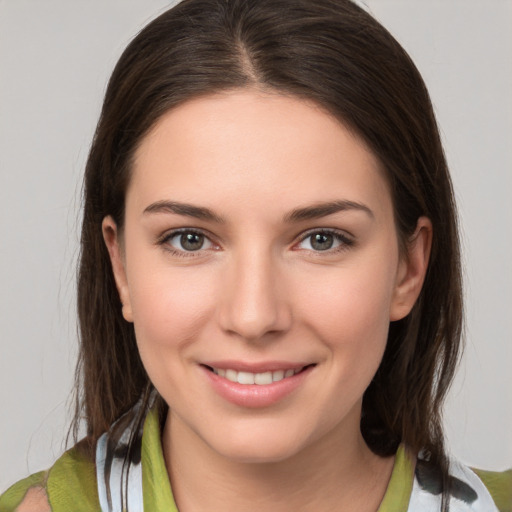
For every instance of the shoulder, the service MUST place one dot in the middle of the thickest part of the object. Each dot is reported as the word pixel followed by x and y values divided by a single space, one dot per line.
pixel 70 484
pixel 469 490
pixel 483 490
pixel 27 495
pixel 499 485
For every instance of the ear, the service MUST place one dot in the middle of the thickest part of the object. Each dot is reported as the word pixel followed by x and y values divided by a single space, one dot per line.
pixel 112 241
pixel 412 269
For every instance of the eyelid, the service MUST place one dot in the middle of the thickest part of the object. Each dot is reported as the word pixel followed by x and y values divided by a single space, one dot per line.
pixel 346 240
pixel 332 231
pixel 168 235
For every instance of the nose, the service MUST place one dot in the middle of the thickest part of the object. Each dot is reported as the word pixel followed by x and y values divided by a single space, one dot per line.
pixel 253 302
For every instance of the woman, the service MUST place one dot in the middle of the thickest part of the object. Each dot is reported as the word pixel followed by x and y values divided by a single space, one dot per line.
pixel 269 285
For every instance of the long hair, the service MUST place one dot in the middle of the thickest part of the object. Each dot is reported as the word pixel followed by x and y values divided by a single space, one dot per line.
pixel 328 51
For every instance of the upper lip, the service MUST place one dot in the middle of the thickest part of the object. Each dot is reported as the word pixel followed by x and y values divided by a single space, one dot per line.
pixel 256 367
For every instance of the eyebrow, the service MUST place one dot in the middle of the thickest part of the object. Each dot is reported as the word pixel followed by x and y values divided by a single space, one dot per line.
pixel 323 209
pixel 189 210
pixel 314 211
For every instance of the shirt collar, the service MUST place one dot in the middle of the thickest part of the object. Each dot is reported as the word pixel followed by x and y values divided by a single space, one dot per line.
pixel 157 490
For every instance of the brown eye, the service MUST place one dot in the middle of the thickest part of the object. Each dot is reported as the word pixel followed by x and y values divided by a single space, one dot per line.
pixel 192 241
pixel 188 241
pixel 322 241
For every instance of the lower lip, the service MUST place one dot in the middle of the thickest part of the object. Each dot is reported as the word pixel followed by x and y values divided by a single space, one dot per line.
pixel 253 395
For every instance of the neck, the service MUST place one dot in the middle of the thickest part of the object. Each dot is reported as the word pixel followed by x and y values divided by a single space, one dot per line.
pixel 338 472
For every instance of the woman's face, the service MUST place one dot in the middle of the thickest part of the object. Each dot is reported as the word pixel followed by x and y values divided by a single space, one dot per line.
pixel 259 264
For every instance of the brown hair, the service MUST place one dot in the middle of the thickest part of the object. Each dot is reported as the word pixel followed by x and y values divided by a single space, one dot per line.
pixel 328 51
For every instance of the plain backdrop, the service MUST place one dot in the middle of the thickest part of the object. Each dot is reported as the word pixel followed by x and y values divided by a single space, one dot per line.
pixel 55 58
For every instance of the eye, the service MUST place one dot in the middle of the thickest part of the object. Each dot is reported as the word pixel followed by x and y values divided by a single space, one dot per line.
pixel 187 241
pixel 325 240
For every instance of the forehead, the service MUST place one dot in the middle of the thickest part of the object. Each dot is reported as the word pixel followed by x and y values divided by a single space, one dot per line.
pixel 249 144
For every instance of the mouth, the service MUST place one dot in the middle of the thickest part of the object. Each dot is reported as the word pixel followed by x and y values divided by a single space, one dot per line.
pixel 261 378
pixel 256 385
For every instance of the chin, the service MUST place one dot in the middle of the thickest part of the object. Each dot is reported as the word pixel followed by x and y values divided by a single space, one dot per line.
pixel 264 445
pixel 257 453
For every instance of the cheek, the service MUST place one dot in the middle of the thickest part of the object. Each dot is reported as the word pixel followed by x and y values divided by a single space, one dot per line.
pixel 350 314
pixel 169 309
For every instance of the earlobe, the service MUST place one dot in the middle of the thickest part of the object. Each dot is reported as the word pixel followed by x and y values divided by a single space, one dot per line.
pixel 112 240
pixel 412 270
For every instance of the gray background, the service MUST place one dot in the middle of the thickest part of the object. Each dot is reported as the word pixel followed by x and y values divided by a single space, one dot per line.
pixel 55 57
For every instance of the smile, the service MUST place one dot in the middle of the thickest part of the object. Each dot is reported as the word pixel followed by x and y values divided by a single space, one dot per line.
pixel 267 384
pixel 261 379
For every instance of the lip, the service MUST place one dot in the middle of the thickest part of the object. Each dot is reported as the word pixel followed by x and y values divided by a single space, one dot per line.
pixel 256 367
pixel 254 396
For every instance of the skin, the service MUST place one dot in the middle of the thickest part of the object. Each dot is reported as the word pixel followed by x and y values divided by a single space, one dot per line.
pixel 258 290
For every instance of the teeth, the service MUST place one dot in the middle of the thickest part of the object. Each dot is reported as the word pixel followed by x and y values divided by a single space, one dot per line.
pixel 245 378
pixel 278 375
pixel 261 379
pixel 231 375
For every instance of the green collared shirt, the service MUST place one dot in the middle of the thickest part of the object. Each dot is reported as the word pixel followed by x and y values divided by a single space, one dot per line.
pixel 71 483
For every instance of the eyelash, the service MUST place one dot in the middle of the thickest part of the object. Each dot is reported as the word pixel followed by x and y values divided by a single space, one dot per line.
pixel 345 241
pixel 166 238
